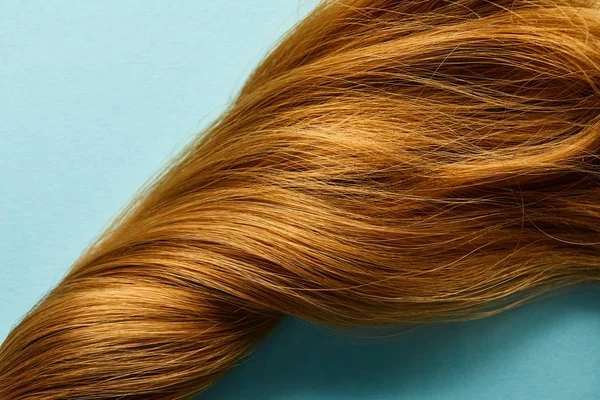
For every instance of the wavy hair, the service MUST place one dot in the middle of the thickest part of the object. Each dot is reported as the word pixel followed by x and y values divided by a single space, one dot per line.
pixel 404 161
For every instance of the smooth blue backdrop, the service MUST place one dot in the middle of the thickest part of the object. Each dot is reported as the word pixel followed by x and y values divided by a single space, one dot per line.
pixel 95 96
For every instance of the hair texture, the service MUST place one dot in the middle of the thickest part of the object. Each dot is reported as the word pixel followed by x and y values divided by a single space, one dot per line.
pixel 388 162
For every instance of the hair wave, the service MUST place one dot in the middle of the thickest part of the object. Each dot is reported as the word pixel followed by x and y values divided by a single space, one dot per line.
pixel 389 161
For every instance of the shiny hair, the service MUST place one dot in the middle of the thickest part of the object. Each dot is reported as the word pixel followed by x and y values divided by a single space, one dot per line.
pixel 388 162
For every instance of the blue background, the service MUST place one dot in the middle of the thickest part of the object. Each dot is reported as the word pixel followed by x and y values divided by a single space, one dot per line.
pixel 95 96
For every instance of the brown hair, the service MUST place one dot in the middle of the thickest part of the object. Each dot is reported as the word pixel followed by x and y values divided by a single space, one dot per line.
pixel 389 161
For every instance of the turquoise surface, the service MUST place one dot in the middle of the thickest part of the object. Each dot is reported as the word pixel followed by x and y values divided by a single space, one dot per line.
pixel 95 96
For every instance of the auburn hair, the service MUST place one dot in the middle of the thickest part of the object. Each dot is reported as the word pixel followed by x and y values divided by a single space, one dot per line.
pixel 388 162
